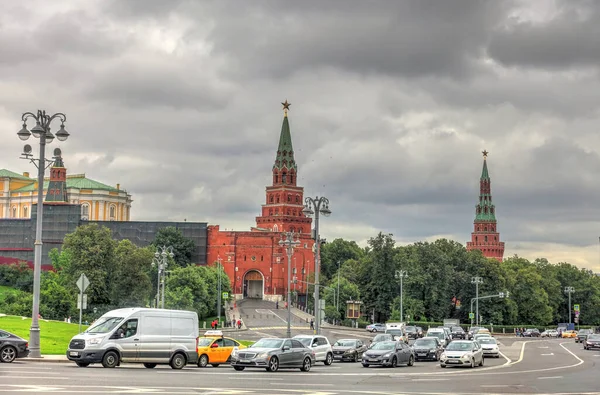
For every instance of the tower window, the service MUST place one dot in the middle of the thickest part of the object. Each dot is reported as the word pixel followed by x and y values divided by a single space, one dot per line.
pixel 275 228
pixel 25 212
pixel 297 199
pixel 486 239
pixel 262 258
pixel 277 198
pixel 112 213
pixel 271 199
pixel 276 178
pixel 270 211
pixel 283 177
pixel 244 258
pixel 289 197
pixel 85 211
pixel 14 212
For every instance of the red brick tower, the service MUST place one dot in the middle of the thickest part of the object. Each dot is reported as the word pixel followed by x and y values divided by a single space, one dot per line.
pixel 283 209
pixel 57 187
pixel 485 237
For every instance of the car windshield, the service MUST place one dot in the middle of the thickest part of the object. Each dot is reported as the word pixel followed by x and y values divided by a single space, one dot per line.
pixel 268 343
pixel 459 346
pixel 457 329
pixel 394 331
pixel 305 341
pixel 487 340
pixel 426 343
pixel 381 337
pixel 594 337
pixel 104 325
pixel 205 341
pixel 383 346
pixel 439 335
pixel 411 328
pixel 345 343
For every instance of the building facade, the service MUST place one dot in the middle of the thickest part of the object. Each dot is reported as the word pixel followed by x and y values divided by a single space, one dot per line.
pixel 255 263
pixel 485 236
pixel 99 202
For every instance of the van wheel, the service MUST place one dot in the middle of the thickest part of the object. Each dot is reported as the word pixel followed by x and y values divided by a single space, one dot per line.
pixel 178 361
pixel 329 359
pixel 110 359
pixel 239 368
pixel 82 364
pixel 215 365
pixel 150 365
pixel 203 361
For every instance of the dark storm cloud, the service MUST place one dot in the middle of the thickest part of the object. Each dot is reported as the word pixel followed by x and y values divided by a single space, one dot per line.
pixel 570 38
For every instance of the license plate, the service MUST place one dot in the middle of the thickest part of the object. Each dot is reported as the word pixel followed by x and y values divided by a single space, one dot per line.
pixel 244 361
pixel 372 360
pixel 451 361
pixel 74 354
pixel 422 355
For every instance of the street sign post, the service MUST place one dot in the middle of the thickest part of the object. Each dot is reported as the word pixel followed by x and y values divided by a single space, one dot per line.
pixel 471 316
pixel 225 295
pixel 82 284
pixel 576 307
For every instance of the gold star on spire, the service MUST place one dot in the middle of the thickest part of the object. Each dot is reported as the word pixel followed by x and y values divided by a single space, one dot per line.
pixel 286 107
pixel 485 154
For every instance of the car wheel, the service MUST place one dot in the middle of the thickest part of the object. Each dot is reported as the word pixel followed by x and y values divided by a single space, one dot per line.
pixel 411 361
pixel 306 364
pixel 178 361
pixel 8 354
pixel 239 368
pixel 394 363
pixel 110 359
pixel 150 365
pixel 365 365
pixel 442 366
pixel 482 359
pixel 82 364
pixel 355 358
pixel 203 361
pixel 329 359
pixel 215 365
pixel 472 363
pixel 273 364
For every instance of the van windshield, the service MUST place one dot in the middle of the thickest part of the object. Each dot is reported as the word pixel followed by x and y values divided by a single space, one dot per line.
pixel 104 325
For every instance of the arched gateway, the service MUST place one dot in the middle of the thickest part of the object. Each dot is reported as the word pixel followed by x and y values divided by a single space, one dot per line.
pixel 253 285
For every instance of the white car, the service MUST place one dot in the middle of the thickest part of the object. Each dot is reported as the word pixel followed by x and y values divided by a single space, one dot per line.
pixel 490 347
pixel 462 353
pixel 320 345
pixel 549 333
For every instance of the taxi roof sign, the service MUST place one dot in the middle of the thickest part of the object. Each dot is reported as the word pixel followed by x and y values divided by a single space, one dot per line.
pixel 213 333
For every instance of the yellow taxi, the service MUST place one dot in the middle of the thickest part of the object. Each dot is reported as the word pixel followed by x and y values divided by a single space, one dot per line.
pixel 215 349
pixel 569 334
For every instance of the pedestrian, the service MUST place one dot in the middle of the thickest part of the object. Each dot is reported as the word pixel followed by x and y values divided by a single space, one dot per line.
pixel 312 324
pixel 216 324
pixel 212 324
pixel 277 305
pixel 239 324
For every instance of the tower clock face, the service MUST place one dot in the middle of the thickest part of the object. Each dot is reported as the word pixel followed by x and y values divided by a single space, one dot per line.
pixel 253 258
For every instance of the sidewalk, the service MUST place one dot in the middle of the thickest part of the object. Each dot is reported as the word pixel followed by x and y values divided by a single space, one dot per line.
pixel 45 358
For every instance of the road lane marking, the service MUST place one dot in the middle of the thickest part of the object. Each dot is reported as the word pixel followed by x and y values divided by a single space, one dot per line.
pixel 550 377
pixel 430 379
pixel 36 377
pixel 303 384
pixel 548 354
pixel 500 385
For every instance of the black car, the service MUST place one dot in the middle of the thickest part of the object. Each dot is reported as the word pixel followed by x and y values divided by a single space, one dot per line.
pixel 582 335
pixel 592 341
pixel 348 350
pixel 531 333
pixel 12 347
pixel 458 333
pixel 427 348
pixel 411 332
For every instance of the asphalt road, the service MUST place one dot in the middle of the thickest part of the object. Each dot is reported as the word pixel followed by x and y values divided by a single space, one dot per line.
pixel 529 367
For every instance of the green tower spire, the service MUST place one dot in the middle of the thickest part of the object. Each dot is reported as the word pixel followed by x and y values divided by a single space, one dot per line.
pixel 285 151
pixel 485 210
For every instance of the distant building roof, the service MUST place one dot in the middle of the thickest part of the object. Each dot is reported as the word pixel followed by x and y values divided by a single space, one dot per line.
pixel 11 174
pixel 77 181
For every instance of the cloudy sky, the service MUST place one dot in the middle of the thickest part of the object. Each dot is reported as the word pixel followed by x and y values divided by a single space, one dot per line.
pixel 392 104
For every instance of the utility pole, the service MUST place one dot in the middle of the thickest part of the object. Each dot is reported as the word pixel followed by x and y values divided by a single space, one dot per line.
pixel 476 281
pixel 400 274
pixel 289 243
pixel 219 291
pixel 569 291
pixel 337 300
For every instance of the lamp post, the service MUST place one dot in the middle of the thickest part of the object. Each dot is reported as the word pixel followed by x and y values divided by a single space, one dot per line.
pixel 219 260
pixel 476 281
pixel 337 300
pixel 42 132
pixel 160 259
pixel 289 243
pixel 400 274
pixel 315 206
pixel 569 291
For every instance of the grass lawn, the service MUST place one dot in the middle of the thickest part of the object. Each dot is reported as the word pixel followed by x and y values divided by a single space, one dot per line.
pixel 55 335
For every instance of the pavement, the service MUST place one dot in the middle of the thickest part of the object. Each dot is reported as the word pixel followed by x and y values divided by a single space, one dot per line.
pixel 553 366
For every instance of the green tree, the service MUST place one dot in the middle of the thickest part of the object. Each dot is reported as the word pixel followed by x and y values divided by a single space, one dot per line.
pixel 379 290
pixel 131 285
pixel 56 301
pixel 183 248
pixel 334 254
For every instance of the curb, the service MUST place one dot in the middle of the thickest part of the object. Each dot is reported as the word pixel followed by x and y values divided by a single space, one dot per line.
pixel 51 359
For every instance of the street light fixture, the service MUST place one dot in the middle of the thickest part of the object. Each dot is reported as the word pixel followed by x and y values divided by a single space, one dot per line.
pixel 317 205
pixel 400 274
pixel 42 132
pixel 476 281
pixel 160 260
pixel 289 243
pixel 569 290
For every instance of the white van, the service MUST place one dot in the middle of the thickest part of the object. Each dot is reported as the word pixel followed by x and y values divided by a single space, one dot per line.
pixel 138 335
pixel 397 330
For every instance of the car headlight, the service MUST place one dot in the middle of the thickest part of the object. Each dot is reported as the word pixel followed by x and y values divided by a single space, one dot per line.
pixel 387 355
pixel 432 350
pixel 467 356
pixel 96 340
pixel 263 355
pixel 443 356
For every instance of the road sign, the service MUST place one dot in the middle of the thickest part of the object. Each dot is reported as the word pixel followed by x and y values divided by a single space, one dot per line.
pixel 576 307
pixel 83 282
pixel 471 316
pixel 225 295
pixel 577 314
pixel 82 304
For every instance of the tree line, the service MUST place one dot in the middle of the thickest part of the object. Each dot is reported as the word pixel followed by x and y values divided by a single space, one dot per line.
pixel 438 284
pixel 120 273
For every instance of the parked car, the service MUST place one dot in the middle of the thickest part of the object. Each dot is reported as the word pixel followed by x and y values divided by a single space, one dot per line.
pixel 582 335
pixel 461 353
pixel 458 333
pixel 273 354
pixel 215 349
pixel 376 328
pixel 592 341
pixel 348 350
pixel 428 348
pixel 490 347
pixel 473 331
pixel 532 332
pixel 420 331
pixel 389 354
pixel 320 345
pixel 12 347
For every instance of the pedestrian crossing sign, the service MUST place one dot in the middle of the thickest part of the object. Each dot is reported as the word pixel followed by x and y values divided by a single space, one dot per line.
pixel 576 307
pixel 225 295
pixel 471 316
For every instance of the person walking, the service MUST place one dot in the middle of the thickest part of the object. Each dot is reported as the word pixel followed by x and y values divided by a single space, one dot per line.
pixel 239 324
pixel 312 324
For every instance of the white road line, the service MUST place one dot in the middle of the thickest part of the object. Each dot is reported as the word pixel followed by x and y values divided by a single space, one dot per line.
pixel 551 377
pixel 250 378
pixel 303 384
pixel 548 354
pixel 353 335
pixel 500 385
pixel 31 372
pixel 430 380
pixel 36 377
